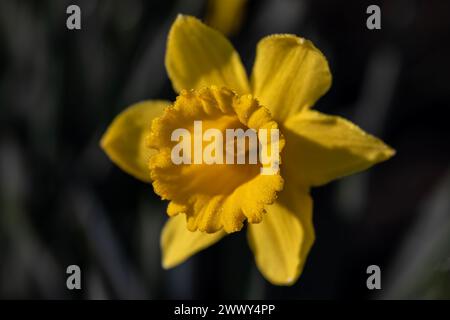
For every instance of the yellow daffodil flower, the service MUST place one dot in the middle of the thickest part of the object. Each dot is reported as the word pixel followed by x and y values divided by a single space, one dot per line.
pixel 209 201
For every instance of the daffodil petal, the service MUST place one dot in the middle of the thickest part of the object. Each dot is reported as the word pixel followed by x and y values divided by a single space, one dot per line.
pixel 321 148
pixel 198 56
pixel 125 139
pixel 290 74
pixel 226 16
pixel 282 241
pixel 178 243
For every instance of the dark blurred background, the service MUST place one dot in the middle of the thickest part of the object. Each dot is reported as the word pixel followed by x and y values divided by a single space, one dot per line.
pixel 63 202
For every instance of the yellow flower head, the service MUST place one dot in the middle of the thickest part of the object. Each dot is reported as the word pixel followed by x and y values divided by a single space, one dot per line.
pixel 208 201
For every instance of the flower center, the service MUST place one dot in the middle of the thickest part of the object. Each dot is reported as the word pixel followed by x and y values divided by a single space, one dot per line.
pixel 218 159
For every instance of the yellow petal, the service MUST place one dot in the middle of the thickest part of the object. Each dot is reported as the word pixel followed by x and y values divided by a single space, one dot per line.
pixel 124 140
pixel 321 148
pixel 198 56
pixel 281 242
pixel 225 16
pixel 178 243
pixel 289 75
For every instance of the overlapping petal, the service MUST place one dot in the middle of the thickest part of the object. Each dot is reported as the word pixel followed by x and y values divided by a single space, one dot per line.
pixel 124 140
pixel 322 148
pixel 179 244
pixel 289 75
pixel 282 241
pixel 198 56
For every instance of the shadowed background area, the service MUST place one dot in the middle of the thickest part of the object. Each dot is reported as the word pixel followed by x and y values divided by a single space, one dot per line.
pixel 62 201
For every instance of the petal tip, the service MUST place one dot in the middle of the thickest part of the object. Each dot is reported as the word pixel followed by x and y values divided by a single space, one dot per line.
pixel 387 153
pixel 182 18
pixel 103 143
pixel 166 265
